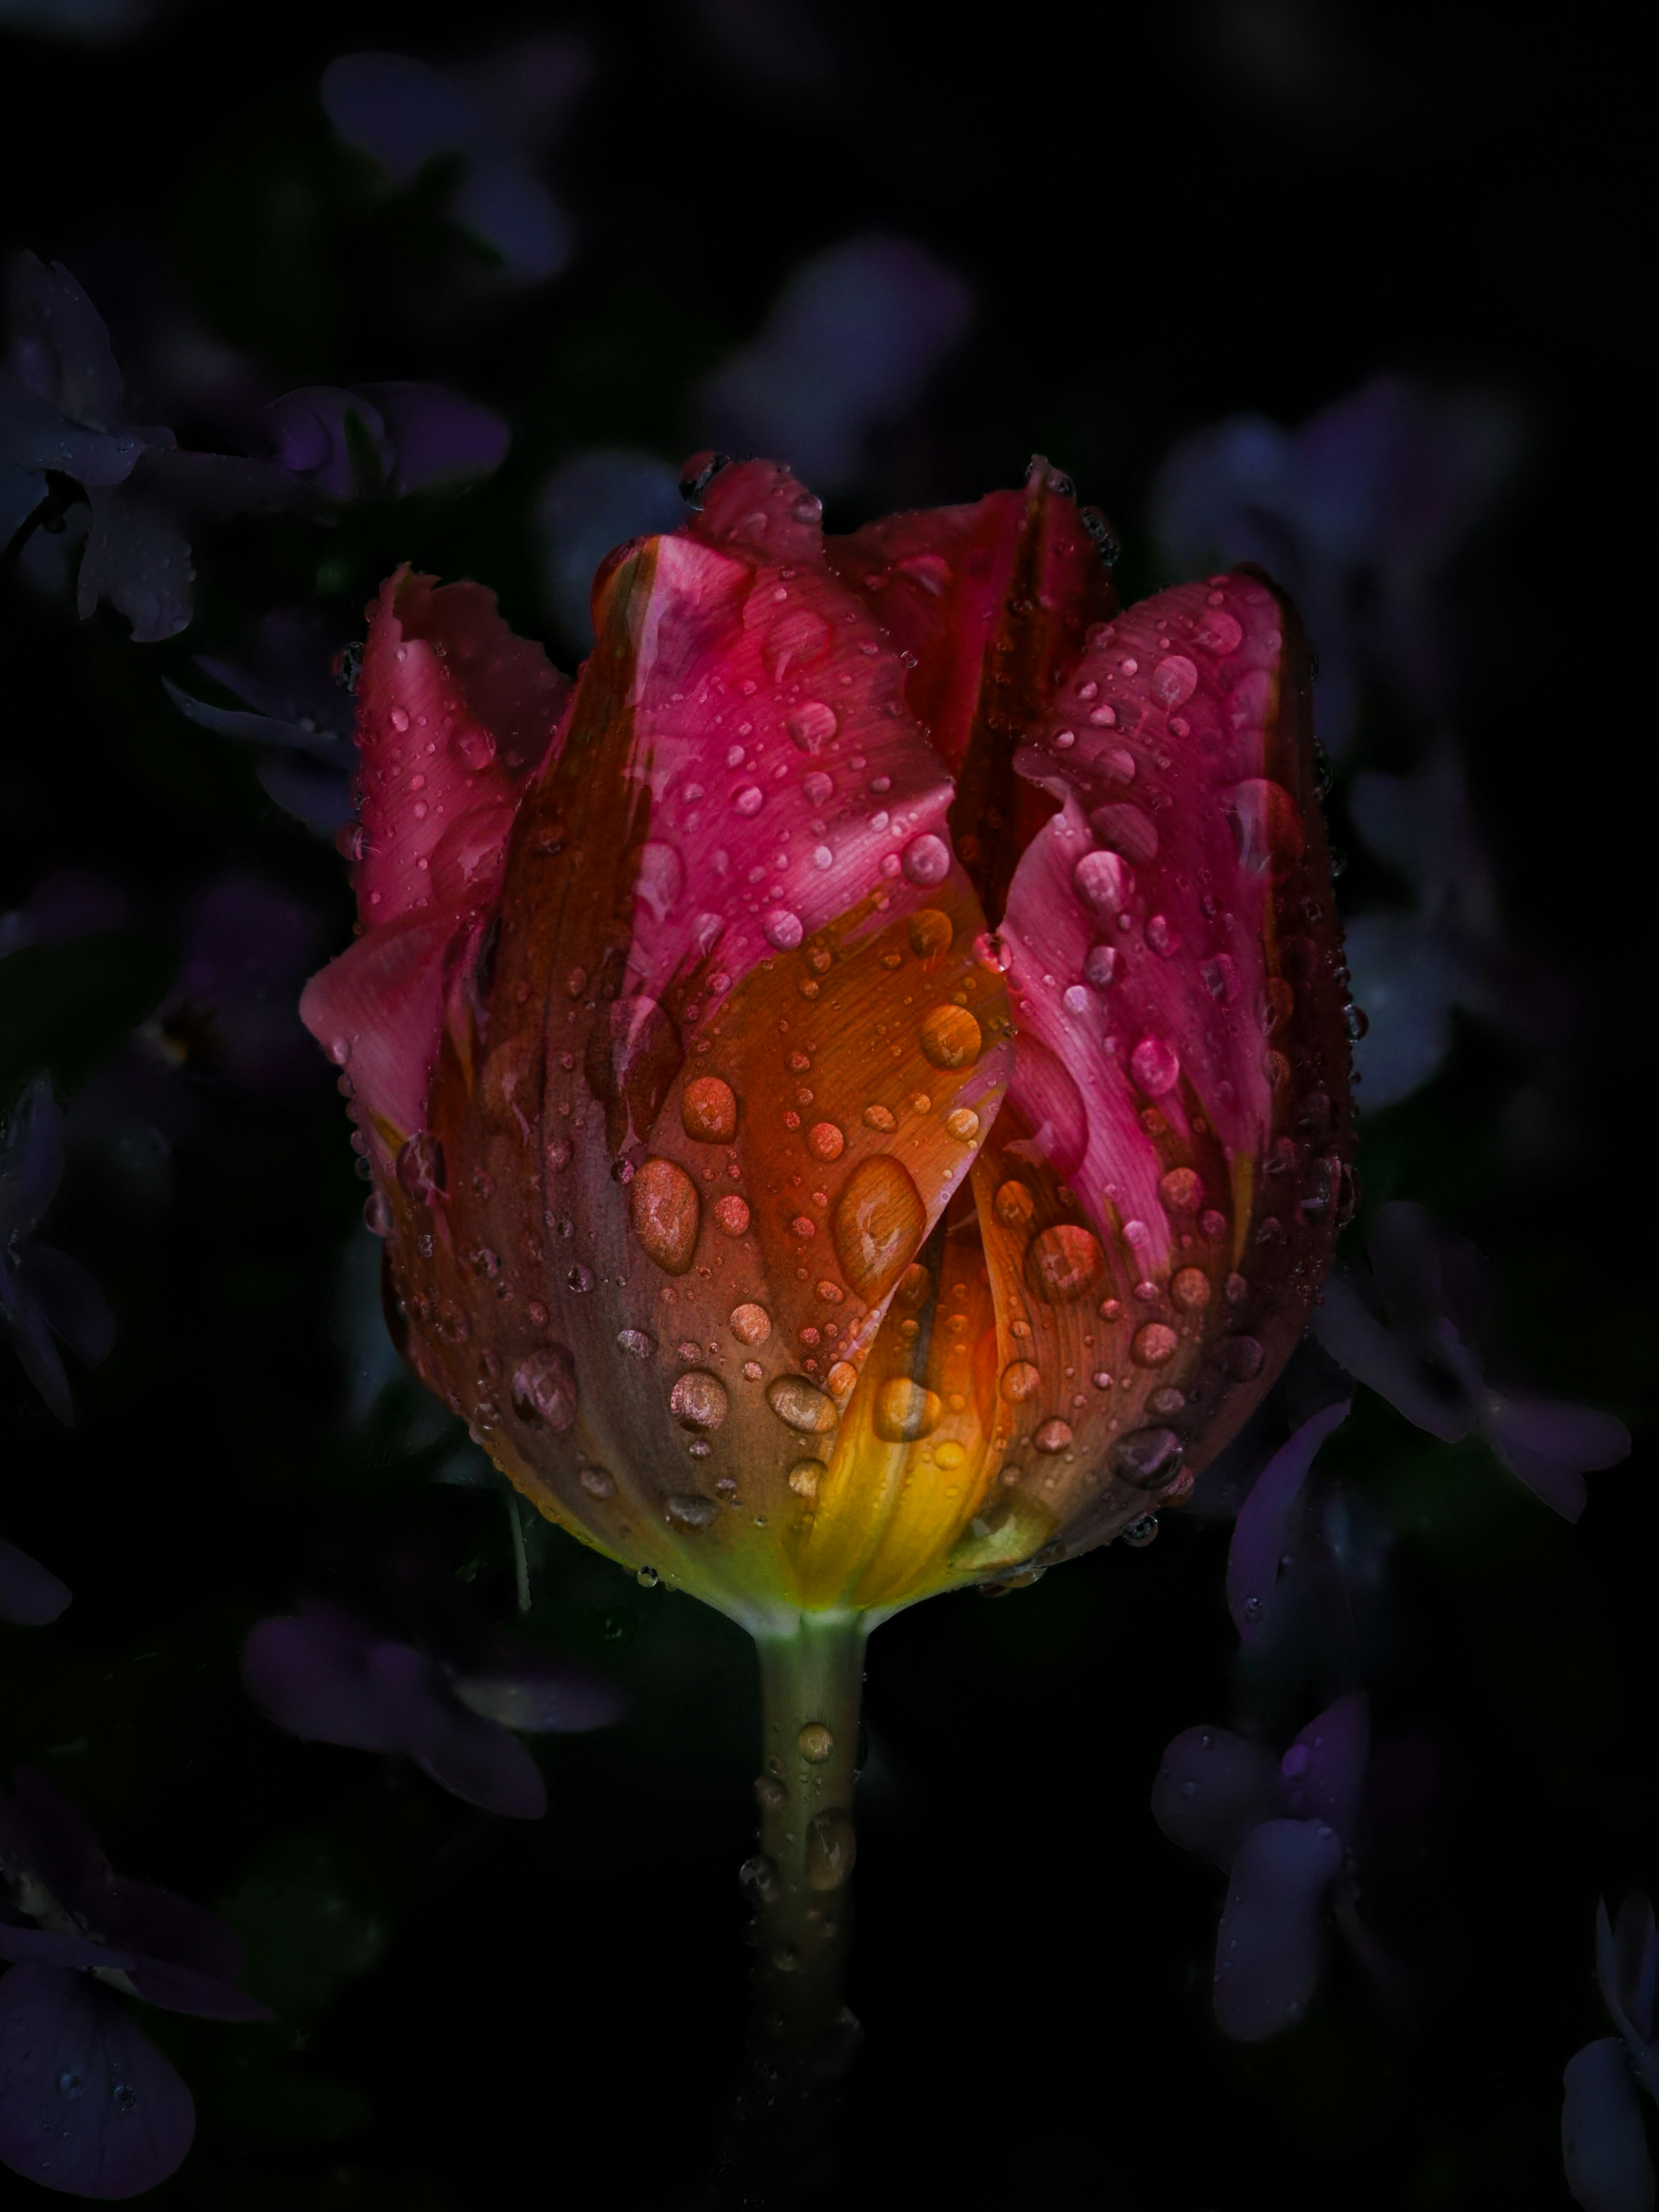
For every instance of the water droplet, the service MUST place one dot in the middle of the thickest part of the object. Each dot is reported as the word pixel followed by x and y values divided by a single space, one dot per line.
pixel 818 787
pixel 815 1742
pixel 905 1411
pixel 125 2097
pixel 802 1404
pixel 782 928
pixel 878 1117
pixel 1014 1204
pixel 665 1209
pixel 796 642
pixel 749 800
pixel 962 1123
pixel 476 747
pixel 708 1111
pixel 878 1223
pixel 759 1875
pixel 805 1477
pixel 1130 830
pixel 1280 1004
pixel 1154 1066
pixel 647 1578
pixel 1191 1290
pixel 399 719
pixel 812 725
pixel 1054 1436
pixel 831 1849
pixel 1149 1458
pixel 951 1037
pixel 825 1141
pixel 1220 632
pixel 1020 1380
pixel 661 879
pixel 70 2085
pixel 1063 1263
pixel 751 1324
pixel 1181 1190
pixel 991 953
pixel 377 1214
pixel 1242 1358
pixel 698 1401
pixel 691 1511
pixel 1103 882
pixel 633 1055
pixel 1266 826
pixel 1356 1022
pixel 731 1215
pixel 420 1168
pixel 1101 965
pixel 596 1482
pixel 931 933
pixel 1155 1345
pixel 1163 938
pixel 543 1389
pixel 1174 681
pixel 639 1341
pixel 926 859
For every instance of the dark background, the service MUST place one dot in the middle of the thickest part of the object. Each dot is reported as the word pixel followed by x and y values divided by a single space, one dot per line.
pixel 1165 216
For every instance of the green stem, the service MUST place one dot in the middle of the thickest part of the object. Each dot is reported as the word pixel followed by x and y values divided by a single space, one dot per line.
pixel 811 1682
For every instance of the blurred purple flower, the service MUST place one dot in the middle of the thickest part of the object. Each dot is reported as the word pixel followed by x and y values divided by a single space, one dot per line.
pixel 62 403
pixel 404 437
pixel 87 2104
pixel 1410 1326
pixel 1355 514
pixel 30 1595
pixel 1259 1535
pixel 495 122
pixel 591 501
pixel 323 1674
pixel 249 948
pixel 43 1292
pixel 850 342
pixel 295 702
pixel 68 903
pixel 1603 2141
pixel 1282 1831
pixel 1411 966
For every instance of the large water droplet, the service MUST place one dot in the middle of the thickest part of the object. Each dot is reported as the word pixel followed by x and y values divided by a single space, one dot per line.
pixel 634 1053
pixel 544 1388
pixel 665 1209
pixel 1149 1458
pixel 926 859
pixel 802 1404
pixel 1266 826
pixel 731 1214
pixel 1063 1262
pixel 931 933
pixel 639 1342
pixel 1220 632
pixel 831 1849
pixel 1054 1436
pixel 812 725
pixel 805 1477
pixel 751 1324
pixel 1014 1205
pixel 1155 1065
pixel 1191 1290
pixel 1101 965
pixel 1130 830
pixel 951 1037
pixel 1155 1345
pixel 1181 1190
pixel 815 1742
pixel 1103 881
pixel 709 1110
pixel 825 1141
pixel 698 1401
pixel 1020 1380
pixel 687 1510
pixel 796 642
pixel 1174 681
pixel 661 879
pixel 877 1223
pixel 905 1411
pixel 782 928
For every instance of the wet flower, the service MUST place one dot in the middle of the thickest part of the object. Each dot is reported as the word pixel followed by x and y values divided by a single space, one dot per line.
pixel 1410 1328
pixel 87 2104
pixel 63 410
pixel 323 1674
pixel 720 1199
pixel 1603 2139
pixel 857 1089
pixel 494 123
pixel 44 1293
pixel 1281 1831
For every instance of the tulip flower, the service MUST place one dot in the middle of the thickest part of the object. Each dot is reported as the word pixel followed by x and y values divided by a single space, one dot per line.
pixel 856 1087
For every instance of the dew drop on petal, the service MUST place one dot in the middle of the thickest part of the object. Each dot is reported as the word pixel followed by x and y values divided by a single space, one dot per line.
pixel 1101 965
pixel 906 1411
pixel 638 1341
pixel 1020 1380
pixel 1190 1290
pixel 1155 1345
pixel 825 1141
pixel 691 1511
pixel 951 1037
pixel 877 1223
pixel 1266 828
pixel 802 1404
pixel 1174 681
pixel 543 1389
pixel 1052 1435
pixel 1103 881
pixel 1155 1065
pixel 1181 1190
pixel 926 859
pixel 782 928
pixel 665 1209
pixel 812 725
pixel 731 1215
pixel 751 1324
pixel 709 1110
pixel 1063 1262
pixel 930 933
pixel 698 1401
